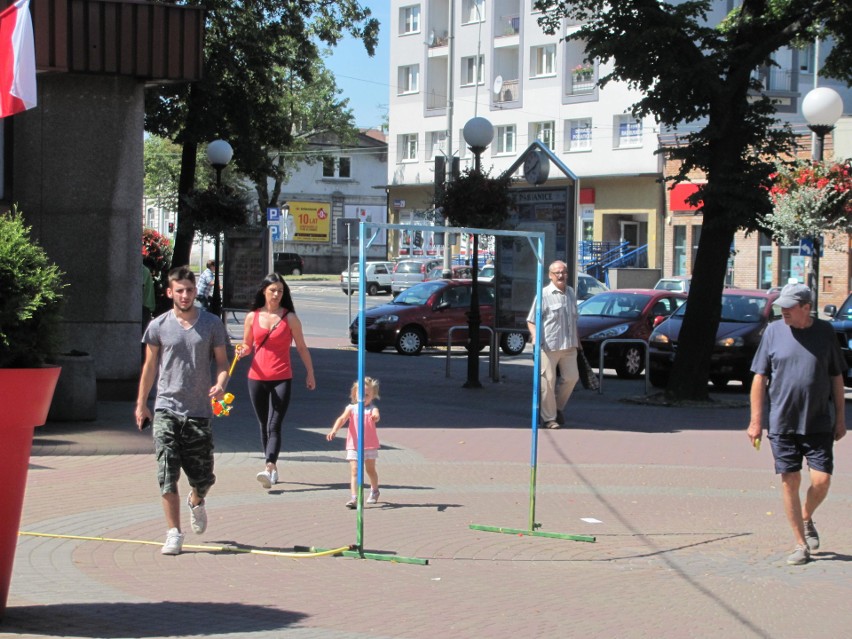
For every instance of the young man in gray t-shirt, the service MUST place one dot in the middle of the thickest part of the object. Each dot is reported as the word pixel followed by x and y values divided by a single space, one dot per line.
pixel 800 364
pixel 180 346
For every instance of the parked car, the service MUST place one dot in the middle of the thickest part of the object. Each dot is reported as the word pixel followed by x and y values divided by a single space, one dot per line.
pixel 377 278
pixel 678 283
pixel 623 314
pixel 588 286
pixel 486 273
pixel 841 320
pixel 288 264
pixel 459 272
pixel 423 314
pixel 745 315
pixel 409 272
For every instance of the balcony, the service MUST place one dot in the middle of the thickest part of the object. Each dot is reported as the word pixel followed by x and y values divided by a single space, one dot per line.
pixel 507 26
pixel 509 92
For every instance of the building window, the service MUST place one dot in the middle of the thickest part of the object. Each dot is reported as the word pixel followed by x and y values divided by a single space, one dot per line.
pixel 473 11
pixel 696 239
pixel 340 167
pixel 437 143
pixel 628 132
pixel 463 149
pixel 543 131
pixel 578 135
pixel 408 147
pixel 506 139
pixel 765 264
pixel 679 250
pixel 543 61
pixel 471 73
pixel 409 19
pixel 409 79
pixel 806 58
pixel 792 265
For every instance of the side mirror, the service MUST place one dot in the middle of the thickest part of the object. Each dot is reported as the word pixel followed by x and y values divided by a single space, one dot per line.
pixel 442 306
pixel 830 310
pixel 659 319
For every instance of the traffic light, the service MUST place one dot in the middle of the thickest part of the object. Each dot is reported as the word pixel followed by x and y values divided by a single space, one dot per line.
pixel 171 227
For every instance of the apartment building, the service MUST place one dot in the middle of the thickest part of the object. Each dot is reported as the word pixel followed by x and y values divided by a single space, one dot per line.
pixel 453 60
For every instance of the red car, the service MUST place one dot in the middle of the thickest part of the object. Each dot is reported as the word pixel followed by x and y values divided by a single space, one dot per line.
pixel 623 314
pixel 423 315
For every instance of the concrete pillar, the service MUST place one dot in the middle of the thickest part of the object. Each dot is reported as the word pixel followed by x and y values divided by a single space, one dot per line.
pixel 77 177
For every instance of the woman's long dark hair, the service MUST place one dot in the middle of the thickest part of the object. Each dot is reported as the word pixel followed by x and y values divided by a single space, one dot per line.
pixel 286 298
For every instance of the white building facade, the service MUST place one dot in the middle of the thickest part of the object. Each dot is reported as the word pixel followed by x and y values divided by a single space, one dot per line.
pixel 451 61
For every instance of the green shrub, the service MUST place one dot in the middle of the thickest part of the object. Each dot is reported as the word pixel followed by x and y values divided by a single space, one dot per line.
pixel 30 297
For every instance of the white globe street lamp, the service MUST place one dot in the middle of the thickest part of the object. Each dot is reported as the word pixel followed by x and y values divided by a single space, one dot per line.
pixel 219 154
pixel 822 108
pixel 478 133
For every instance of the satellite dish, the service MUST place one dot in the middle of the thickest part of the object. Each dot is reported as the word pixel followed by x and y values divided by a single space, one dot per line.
pixel 498 85
pixel 431 37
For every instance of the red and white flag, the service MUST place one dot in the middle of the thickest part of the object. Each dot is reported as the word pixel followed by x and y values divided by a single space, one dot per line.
pixel 17 60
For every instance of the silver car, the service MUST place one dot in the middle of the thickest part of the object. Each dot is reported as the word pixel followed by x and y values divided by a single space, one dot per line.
pixel 410 272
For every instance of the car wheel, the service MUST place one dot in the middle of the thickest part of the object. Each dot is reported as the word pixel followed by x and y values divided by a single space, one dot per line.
pixel 410 341
pixel 658 379
pixel 350 292
pixel 372 288
pixel 513 343
pixel 631 363
pixel 296 271
pixel 374 348
pixel 719 381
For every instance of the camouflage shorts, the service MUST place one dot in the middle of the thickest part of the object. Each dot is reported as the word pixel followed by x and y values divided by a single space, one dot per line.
pixel 183 443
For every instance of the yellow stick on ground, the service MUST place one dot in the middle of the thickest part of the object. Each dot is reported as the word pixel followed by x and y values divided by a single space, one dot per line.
pixel 252 551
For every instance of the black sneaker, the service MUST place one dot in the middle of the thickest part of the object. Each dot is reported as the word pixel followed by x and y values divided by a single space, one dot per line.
pixel 811 535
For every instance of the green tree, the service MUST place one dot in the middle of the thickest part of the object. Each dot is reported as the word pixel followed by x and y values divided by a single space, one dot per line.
pixel 696 74
pixel 254 51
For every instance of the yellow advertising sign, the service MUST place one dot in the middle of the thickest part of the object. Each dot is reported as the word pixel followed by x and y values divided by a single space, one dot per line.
pixel 311 221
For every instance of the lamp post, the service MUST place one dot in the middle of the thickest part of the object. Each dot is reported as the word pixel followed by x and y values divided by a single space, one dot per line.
pixel 822 108
pixel 219 153
pixel 478 133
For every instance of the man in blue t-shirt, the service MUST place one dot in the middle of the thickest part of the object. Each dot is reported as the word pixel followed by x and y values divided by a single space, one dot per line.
pixel 800 364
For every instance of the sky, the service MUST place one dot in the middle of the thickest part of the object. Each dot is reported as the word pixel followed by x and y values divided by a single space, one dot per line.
pixel 364 80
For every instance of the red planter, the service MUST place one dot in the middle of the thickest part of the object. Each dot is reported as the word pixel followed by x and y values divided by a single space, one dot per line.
pixel 27 393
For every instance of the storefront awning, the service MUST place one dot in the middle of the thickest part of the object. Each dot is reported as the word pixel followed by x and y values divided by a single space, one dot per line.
pixel 678 196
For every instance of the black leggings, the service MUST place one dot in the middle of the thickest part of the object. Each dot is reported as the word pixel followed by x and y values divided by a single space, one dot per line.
pixel 270 401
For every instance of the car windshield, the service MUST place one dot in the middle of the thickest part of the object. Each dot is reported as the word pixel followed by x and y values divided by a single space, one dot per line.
pixel 417 295
pixel 670 285
pixel 735 308
pixel 486 271
pixel 615 304
pixel 845 311
pixel 409 267
pixel 742 308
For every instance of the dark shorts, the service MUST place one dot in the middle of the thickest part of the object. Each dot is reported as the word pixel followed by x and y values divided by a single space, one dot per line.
pixel 789 450
pixel 183 443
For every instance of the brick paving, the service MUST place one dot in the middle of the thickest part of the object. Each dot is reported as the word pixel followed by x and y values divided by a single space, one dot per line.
pixel 691 540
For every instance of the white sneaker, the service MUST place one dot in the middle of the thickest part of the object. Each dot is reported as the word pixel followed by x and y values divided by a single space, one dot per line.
pixel 197 516
pixel 174 542
pixel 265 479
pixel 374 497
pixel 273 477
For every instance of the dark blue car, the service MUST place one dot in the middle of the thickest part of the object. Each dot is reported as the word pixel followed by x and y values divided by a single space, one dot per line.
pixel 841 320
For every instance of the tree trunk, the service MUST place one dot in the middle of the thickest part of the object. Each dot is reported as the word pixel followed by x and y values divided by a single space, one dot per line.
pixel 691 369
pixel 185 232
